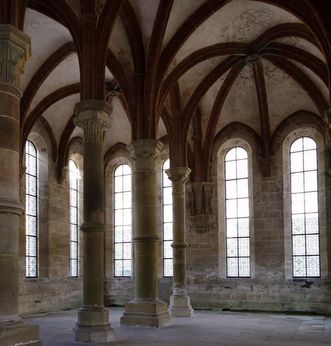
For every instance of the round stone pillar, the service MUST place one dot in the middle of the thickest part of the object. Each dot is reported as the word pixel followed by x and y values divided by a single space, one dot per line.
pixel 179 301
pixel 14 50
pixel 145 309
pixel 93 318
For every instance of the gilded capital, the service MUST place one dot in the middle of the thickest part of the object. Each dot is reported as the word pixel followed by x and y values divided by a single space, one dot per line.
pixel 15 49
pixel 144 153
pixel 93 117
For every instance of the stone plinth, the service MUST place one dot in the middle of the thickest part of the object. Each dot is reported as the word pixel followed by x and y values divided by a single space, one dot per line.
pixel 149 314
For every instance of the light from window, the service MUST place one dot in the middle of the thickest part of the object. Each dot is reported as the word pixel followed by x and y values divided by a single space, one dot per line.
pixel 304 208
pixel 167 221
pixel 74 217
pixel 123 221
pixel 237 213
pixel 31 210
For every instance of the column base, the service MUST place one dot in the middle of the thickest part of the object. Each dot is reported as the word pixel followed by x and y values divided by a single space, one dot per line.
pixel 93 325
pixel 146 313
pixel 19 333
pixel 180 306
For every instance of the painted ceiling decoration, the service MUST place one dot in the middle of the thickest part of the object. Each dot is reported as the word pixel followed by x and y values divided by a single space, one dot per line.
pixel 185 69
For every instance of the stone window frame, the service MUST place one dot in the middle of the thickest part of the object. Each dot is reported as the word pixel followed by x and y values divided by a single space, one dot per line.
pixel 286 145
pixel 43 153
pixel 117 160
pixel 221 153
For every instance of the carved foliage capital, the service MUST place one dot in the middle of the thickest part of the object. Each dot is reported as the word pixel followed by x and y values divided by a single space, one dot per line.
pixel 93 117
pixel 178 176
pixel 15 49
pixel 144 153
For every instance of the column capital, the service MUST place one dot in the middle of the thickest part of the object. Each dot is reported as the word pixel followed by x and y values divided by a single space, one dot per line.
pixel 15 49
pixel 93 117
pixel 178 175
pixel 144 153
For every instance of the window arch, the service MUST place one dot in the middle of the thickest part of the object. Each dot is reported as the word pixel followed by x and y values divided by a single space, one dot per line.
pixel 237 215
pixel 31 211
pixel 167 221
pixel 123 221
pixel 74 218
pixel 304 208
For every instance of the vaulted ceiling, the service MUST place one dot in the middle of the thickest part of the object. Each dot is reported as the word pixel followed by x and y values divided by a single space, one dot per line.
pixel 194 66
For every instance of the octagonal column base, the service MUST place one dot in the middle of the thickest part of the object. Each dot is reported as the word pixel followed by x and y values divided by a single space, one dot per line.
pixel 146 313
pixel 180 306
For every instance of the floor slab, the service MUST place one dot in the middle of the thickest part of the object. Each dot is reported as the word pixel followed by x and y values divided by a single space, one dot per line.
pixel 204 328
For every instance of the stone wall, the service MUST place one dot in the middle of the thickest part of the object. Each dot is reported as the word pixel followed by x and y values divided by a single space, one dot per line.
pixel 53 289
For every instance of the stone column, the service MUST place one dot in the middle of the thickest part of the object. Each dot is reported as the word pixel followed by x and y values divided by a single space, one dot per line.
pixel 179 302
pixel 93 318
pixel 14 50
pixel 145 309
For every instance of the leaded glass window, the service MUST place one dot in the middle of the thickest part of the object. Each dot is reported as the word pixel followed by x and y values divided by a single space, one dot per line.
pixel 237 213
pixel 304 208
pixel 31 210
pixel 167 221
pixel 123 221
pixel 74 218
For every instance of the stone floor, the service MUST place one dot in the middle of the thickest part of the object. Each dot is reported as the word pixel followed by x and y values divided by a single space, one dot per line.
pixel 205 328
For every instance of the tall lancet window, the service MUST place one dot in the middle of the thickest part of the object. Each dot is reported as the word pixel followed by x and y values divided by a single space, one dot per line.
pixel 123 221
pixel 167 221
pixel 237 213
pixel 31 210
pixel 74 218
pixel 304 208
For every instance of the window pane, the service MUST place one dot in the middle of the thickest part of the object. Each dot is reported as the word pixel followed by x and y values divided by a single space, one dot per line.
pixel 243 207
pixel 298 206
pixel 243 247
pixel 230 170
pixel 313 266
pixel 297 182
pixel 167 195
pixel 118 234
pixel 299 244
pixel 243 227
pixel 232 267
pixel 311 181
pixel 231 189
pixel 167 231
pixel 231 208
pixel 299 266
pixel 244 267
pixel 231 228
pixel 312 223
pixel 232 247
pixel 297 145
pixel 242 188
pixel 298 224
pixel 311 203
pixel 242 169
pixel 167 213
pixel 296 162
pixel 167 249
pixel 310 160
pixel 167 267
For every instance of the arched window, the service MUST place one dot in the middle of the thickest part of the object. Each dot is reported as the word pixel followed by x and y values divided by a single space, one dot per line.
pixel 74 218
pixel 31 210
pixel 167 221
pixel 123 221
pixel 237 213
pixel 304 208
